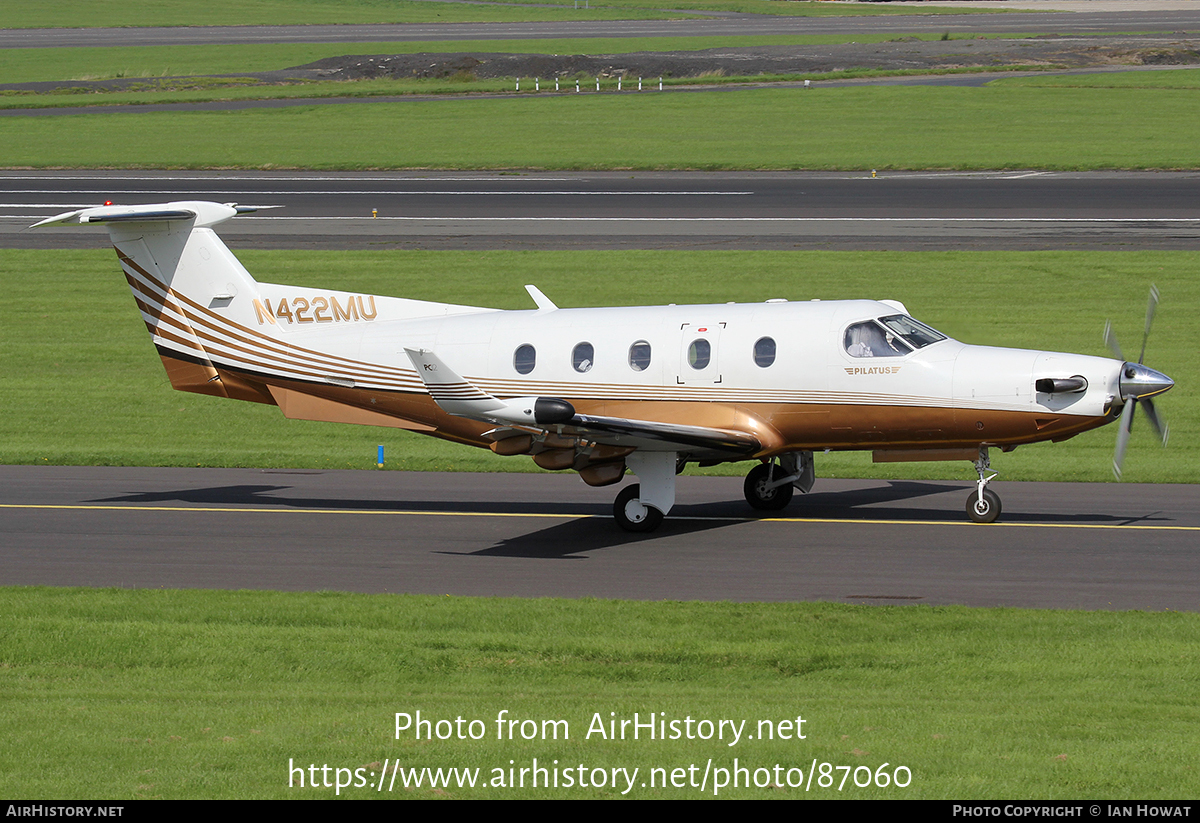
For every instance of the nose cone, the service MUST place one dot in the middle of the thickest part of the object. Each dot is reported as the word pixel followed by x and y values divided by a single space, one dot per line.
pixel 1140 381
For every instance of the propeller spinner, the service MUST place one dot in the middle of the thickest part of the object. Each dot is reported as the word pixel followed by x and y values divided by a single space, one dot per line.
pixel 1138 383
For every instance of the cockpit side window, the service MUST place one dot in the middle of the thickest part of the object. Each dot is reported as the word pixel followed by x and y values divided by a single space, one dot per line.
pixel 869 339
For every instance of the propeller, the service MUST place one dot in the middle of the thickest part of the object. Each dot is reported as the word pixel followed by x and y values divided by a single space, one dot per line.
pixel 1137 384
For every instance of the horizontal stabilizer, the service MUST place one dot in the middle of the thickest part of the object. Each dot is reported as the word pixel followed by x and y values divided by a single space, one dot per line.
pixel 202 212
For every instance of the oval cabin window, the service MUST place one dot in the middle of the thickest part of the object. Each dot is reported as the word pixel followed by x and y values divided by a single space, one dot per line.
pixel 639 356
pixel 583 357
pixel 524 359
pixel 764 352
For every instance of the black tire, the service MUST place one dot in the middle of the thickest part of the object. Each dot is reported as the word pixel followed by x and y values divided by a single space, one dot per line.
pixel 762 498
pixel 986 511
pixel 649 522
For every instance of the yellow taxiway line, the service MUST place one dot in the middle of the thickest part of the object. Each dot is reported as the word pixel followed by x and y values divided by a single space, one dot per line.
pixel 434 513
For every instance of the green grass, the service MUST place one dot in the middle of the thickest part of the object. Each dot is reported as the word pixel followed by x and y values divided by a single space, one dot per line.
pixel 84 386
pixel 994 127
pixel 186 694
pixel 88 13
pixel 1157 79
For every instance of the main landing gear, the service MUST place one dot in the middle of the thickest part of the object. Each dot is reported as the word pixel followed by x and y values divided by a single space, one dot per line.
pixel 642 506
pixel 983 506
pixel 632 514
pixel 768 487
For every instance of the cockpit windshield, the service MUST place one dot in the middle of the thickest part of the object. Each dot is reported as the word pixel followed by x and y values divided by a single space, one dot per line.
pixel 917 334
pixel 896 335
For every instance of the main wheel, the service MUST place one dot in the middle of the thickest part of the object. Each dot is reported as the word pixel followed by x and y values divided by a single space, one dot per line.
pixel 762 498
pixel 631 515
pixel 985 511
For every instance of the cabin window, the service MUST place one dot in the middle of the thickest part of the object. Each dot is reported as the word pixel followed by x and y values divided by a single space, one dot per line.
pixel 699 353
pixel 639 356
pixel 524 359
pixel 872 340
pixel 764 352
pixel 583 357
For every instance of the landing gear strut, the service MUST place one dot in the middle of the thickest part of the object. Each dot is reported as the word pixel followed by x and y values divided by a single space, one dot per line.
pixel 983 506
pixel 642 506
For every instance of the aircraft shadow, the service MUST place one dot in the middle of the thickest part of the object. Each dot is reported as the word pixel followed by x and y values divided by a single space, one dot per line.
pixel 266 496
pixel 574 539
pixel 597 531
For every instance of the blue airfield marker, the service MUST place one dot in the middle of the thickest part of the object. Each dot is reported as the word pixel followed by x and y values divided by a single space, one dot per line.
pixel 379 459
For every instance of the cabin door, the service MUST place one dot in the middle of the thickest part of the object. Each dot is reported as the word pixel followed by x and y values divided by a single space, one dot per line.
pixel 698 348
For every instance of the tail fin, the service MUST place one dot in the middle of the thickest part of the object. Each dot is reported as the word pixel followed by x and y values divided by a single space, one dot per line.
pixel 180 272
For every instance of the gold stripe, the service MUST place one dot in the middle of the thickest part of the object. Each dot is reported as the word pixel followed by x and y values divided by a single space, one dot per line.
pixel 289 348
pixel 265 349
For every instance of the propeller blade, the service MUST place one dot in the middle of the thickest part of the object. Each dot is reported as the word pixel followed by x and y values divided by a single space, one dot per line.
pixel 1110 340
pixel 1162 429
pixel 1149 318
pixel 1123 436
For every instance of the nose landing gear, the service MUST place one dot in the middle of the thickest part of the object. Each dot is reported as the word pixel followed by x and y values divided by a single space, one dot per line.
pixel 983 506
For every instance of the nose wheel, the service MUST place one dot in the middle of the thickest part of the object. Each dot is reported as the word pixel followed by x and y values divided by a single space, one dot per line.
pixel 983 509
pixel 983 506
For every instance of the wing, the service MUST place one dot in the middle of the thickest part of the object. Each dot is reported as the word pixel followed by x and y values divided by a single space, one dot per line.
pixel 456 395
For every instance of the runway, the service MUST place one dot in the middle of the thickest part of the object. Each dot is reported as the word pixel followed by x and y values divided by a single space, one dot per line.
pixel 1077 546
pixel 732 25
pixel 1020 210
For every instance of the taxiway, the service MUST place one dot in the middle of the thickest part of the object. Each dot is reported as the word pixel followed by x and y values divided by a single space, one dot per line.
pixel 1059 545
pixel 1021 210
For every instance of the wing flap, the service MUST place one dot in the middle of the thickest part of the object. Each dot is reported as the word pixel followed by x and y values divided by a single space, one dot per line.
pixel 662 435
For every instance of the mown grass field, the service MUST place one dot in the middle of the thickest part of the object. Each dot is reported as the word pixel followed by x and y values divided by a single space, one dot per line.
pixel 993 127
pixel 1155 79
pixel 85 386
pixel 185 694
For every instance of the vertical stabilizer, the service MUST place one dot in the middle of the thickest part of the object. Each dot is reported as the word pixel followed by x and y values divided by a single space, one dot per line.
pixel 191 290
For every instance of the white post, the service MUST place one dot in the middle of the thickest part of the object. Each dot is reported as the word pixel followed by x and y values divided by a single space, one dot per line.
pixel 660 84
pixel 618 84
pixel 518 84
pixel 639 84
pixel 556 84
pixel 576 86
pixel 537 84
pixel 597 84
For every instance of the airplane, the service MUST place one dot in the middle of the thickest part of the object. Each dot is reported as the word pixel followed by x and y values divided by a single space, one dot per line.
pixel 608 390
